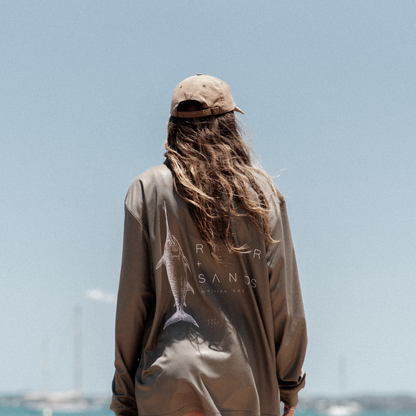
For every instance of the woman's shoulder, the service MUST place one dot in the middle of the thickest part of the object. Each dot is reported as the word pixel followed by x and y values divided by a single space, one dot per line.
pixel 155 180
pixel 152 176
pixel 270 190
pixel 274 197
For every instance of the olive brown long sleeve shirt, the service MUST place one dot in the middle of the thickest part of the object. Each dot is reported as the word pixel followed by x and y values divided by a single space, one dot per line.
pixel 193 333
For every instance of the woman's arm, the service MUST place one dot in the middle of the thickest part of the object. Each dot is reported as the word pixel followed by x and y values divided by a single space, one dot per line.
pixel 288 312
pixel 135 299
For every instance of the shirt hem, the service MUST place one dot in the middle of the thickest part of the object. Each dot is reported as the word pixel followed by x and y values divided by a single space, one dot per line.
pixel 192 407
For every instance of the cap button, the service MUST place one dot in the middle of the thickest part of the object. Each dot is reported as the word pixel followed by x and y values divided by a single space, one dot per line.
pixel 198 74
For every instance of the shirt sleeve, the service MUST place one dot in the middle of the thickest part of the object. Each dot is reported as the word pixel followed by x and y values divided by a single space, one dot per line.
pixel 288 312
pixel 135 299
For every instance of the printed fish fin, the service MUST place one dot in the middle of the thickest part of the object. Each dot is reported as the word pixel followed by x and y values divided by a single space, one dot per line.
pixel 161 261
pixel 186 263
pixel 189 288
pixel 180 316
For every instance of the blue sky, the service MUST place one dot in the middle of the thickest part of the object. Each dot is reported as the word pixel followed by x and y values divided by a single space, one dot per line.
pixel 328 89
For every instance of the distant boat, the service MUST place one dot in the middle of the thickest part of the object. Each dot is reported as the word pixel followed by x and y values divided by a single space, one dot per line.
pixel 54 402
pixel 344 409
pixel 59 402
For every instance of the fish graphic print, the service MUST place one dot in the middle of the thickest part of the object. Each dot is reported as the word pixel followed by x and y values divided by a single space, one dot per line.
pixel 177 268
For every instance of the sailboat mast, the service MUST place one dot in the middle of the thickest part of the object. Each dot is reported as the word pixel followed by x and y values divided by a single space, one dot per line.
pixel 46 365
pixel 342 375
pixel 77 350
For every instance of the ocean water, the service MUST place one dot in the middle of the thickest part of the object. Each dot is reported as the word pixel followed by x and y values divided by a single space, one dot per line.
pixel 19 411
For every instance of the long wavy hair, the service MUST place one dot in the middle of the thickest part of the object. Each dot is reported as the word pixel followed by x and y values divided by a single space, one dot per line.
pixel 214 173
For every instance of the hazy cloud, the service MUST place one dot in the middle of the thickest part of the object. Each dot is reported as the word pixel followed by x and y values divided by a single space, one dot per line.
pixel 100 296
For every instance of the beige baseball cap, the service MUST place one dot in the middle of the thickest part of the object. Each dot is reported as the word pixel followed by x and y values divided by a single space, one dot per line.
pixel 212 93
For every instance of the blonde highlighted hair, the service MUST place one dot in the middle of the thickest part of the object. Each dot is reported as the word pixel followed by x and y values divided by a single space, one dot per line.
pixel 214 173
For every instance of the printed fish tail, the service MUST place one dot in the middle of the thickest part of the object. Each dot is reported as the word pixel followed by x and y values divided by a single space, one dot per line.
pixel 180 316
